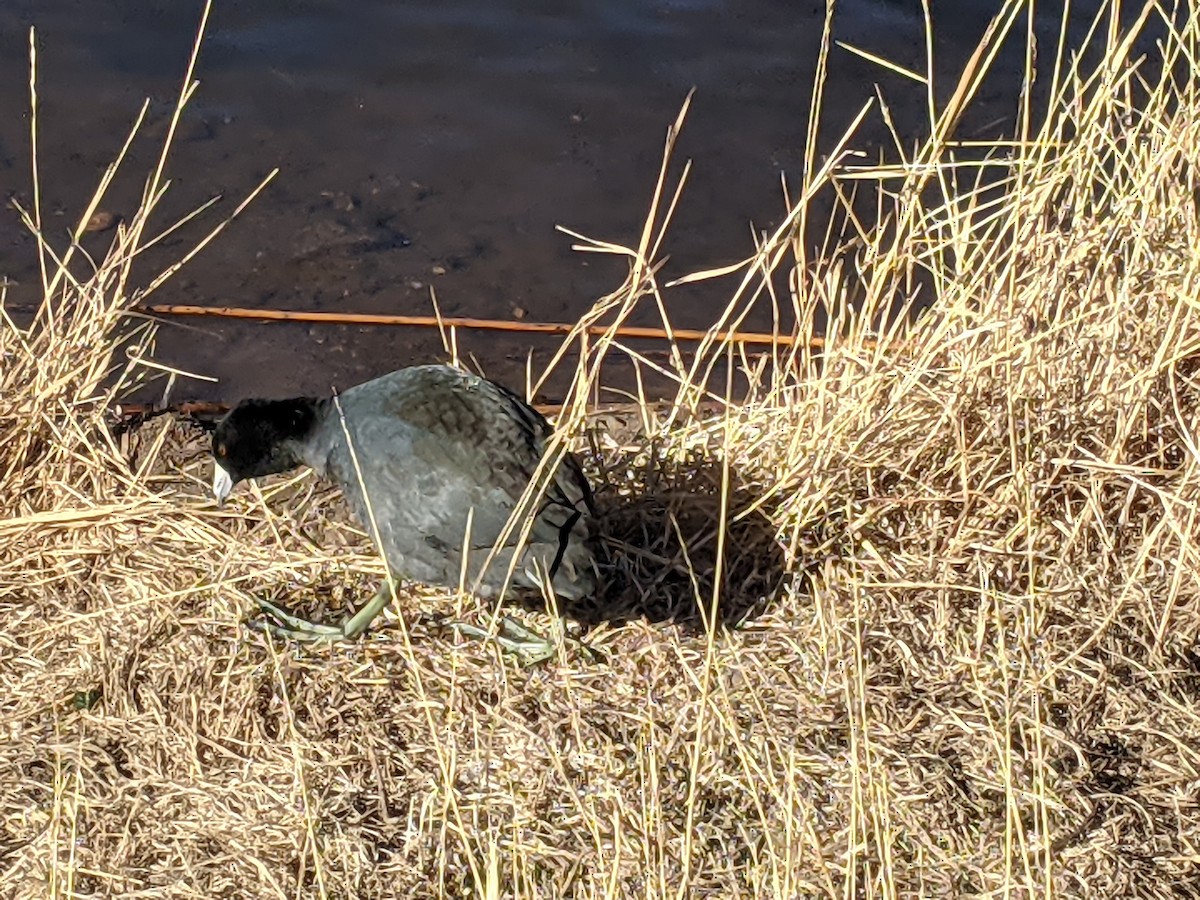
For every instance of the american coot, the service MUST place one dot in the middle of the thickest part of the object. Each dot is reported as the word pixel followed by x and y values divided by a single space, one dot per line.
pixel 444 457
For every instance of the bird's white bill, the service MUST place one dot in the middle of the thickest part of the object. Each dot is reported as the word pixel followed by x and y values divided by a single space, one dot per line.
pixel 222 482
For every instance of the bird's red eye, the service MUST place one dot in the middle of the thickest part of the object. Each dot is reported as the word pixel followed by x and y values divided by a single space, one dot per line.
pixel 221 449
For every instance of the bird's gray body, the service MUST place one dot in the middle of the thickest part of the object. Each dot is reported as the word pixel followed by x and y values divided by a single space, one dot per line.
pixel 439 450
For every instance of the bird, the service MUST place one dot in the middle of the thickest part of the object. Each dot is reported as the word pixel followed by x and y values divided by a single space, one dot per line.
pixel 433 460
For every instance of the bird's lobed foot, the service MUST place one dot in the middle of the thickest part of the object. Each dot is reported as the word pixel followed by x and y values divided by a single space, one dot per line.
pixel 528 647
pixel 294 628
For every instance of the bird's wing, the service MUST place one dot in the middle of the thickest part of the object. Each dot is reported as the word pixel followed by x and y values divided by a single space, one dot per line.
pixel 435 454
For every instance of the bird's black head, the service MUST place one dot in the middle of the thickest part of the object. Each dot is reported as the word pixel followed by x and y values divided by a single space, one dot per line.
pixel 259 437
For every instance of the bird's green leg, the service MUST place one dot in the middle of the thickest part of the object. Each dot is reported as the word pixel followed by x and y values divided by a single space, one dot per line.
pixel 297 629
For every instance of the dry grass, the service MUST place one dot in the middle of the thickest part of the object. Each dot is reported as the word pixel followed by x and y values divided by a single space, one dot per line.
pixel 962 562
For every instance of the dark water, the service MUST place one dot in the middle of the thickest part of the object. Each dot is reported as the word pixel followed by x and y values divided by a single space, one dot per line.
pixel 440 143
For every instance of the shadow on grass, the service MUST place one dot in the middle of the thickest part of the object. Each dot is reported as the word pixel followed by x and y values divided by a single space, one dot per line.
pixel 659 540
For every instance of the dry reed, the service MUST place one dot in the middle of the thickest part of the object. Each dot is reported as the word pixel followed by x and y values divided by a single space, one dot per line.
pixel 956 570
